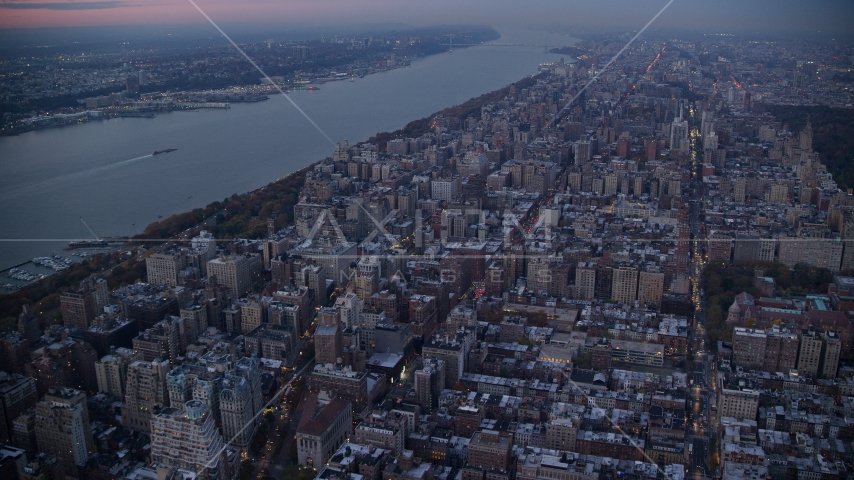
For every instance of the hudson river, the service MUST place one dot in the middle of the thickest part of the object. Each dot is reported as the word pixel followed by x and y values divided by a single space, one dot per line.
pixel 103 171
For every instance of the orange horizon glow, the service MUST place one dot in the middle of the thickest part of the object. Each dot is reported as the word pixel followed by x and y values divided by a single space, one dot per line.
pixel 175 12
pixel 753 15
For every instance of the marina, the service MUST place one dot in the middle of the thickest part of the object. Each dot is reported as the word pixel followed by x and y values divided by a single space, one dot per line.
pixel 28 273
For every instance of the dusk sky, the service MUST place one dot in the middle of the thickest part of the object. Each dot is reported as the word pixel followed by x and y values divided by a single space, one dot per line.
pixel 726 16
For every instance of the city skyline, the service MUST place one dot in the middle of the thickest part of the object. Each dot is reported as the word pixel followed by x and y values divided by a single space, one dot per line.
pixel 728 16
pixel 627 252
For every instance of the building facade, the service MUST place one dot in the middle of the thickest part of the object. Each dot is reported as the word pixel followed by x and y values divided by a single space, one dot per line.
pixel 62 427
pixel 187 438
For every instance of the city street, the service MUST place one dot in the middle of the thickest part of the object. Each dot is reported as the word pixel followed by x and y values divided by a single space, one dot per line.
pixel 700 426
pixel 274 458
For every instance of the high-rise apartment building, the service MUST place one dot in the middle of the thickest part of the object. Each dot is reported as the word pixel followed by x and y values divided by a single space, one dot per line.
pixel 28 325
pixel 14 352
pixel 163 268
pixel 537 274
pixel 585 281
pixel 779 193
pixel 239 403
pixel 445 188
pixel 207 379
pixel 349 309
pixel 423 315
pixel 233 271
pixel 767 249
pixel 269 341
pixel 604 282
pixel 17 394
pixel 366 279
pixel 252 314
pixel 301 297
pixel 82 303
pixel 452 351
pixel 736 399
pixel 328 338
pixel 609 185
pixel 62 427
pixel 467 420
pixel 781 350
pixel 650 288
pixel 24 431
pixel 746 247
pixel 145 391
pixel 719 247
pixel 195 319
pixel 831 348
pixel 809 353
pixel 186 437
pixel 111 371
pixel 582 152
pixel 624 288
pixel 678 132
pixel 429 383
pixel 161 340
pixel 748 348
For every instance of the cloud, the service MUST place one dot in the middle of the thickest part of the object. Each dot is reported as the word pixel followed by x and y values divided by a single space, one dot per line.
pixel 62 5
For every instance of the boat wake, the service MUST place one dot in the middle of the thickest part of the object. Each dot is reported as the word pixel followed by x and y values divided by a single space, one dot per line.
pixel 71 176
pixel 106 167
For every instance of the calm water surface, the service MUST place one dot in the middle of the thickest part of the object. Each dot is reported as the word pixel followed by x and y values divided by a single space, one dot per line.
pixel 103 171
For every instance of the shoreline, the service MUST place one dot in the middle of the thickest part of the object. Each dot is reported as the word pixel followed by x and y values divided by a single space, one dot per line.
pixel 380 137
pixel 412 128
pixel 258 93
pixel 262 90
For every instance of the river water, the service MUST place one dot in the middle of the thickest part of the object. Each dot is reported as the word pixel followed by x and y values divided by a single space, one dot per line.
pixel 103 172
